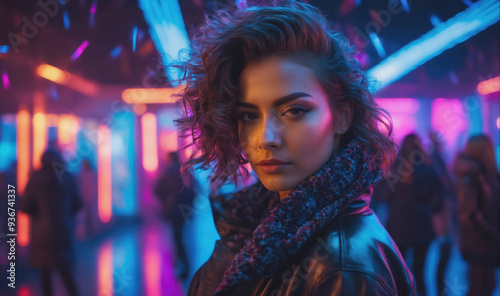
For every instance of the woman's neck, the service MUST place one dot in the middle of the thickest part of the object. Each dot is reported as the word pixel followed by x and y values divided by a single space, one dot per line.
pixel 283 194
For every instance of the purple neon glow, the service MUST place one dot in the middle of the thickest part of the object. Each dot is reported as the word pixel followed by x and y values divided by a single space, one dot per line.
pixel 242 4
pixel 5 79
pixel 78 52
pixel 93 10
pixel 403 115
pixel 400 105
pixel 448 118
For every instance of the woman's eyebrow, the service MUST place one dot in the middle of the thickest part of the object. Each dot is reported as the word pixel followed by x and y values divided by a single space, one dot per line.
pixel 278 102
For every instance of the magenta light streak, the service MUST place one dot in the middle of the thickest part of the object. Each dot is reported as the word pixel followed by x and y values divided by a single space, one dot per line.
pixel 93 8
pixel 5 79
pixel 78 52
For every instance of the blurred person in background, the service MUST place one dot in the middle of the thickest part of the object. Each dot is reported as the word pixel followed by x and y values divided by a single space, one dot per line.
pixel 87 181
pixel 52 199
pixel 444 220
pixel 414 193
pixel 478 213
pixel 176 201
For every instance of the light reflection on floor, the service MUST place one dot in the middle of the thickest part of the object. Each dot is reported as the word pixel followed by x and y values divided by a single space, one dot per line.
pixel 138 258
pixel 133 260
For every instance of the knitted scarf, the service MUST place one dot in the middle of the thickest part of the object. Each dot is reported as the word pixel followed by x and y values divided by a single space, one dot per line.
pixel 304 212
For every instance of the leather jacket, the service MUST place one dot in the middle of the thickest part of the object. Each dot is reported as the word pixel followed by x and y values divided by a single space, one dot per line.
pixel 354 255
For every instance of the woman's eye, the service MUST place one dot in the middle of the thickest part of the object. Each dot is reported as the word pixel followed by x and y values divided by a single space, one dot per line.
pixel 295 112
pixel 247 116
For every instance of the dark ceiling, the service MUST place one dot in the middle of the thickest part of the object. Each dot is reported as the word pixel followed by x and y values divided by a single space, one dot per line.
pixel 457 69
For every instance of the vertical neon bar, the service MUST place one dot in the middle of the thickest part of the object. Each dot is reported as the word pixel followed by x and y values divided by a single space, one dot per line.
pixel 105 269
pixel 104 174
pixel 23 169
pixel 149 142
pixel 152 267
pixel 39 138
pixel 123 163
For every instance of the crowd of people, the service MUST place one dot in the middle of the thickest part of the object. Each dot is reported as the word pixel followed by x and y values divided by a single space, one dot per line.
pixel 427 202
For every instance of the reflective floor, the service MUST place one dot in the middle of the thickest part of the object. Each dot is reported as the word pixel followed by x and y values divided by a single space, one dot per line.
pixel 137 258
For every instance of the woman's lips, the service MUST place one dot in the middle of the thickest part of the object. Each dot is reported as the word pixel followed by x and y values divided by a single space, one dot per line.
pixel 273 168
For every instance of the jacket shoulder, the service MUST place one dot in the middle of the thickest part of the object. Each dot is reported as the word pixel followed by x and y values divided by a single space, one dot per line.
pixel 357 251
pixel 350 282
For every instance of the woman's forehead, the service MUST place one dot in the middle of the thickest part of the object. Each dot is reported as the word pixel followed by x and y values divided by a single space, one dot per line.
pixel 275 77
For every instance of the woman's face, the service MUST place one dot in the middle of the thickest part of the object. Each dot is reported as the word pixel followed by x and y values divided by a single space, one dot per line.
pixel 284 114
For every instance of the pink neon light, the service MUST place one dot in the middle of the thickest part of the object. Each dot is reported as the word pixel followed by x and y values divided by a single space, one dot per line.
pixel 399 105
pixel 157 254
pixel 93 8
pixel 104 191
pixel 149 142
pixel 152 267
pixel 448 118
pixel 78 52
pixel 5 79
pixel 402 112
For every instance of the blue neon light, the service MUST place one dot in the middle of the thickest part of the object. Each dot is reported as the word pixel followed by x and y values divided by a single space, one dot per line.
pixel 459 28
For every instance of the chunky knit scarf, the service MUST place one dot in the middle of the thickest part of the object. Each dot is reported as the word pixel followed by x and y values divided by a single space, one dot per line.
pixel 304 213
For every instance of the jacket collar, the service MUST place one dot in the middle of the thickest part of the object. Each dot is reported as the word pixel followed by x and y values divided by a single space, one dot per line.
pixel 304 213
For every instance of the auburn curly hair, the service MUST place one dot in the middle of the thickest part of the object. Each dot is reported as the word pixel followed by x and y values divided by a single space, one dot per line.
pixel 231 38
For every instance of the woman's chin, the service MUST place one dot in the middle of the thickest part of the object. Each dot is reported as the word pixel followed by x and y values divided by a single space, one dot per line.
pixel 277 185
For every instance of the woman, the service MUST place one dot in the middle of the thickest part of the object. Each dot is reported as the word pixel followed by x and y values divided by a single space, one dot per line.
pixel 51 199
pixel 277 88
pixel 414 193
pixel 478 213
pixel 444 221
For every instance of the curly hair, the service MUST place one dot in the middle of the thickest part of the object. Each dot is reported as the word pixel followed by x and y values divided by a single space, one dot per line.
pixel 230 39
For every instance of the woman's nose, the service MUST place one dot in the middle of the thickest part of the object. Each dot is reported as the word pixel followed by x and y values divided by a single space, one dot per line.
pixel 270 134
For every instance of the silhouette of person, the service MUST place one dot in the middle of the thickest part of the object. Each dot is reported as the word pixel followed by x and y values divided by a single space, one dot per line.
pixel 443 221
pixel 176 201
pixel 87 179
pixel 478 213
pixel 52 199
pixel 413 198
